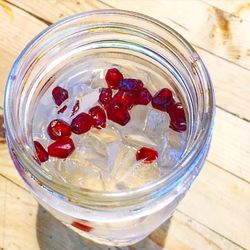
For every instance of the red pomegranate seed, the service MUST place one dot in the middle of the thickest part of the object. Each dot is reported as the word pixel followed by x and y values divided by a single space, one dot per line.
pixel 82 123
pixel 99 117
pixel 162 99
pixel 62 109
pixel 81 226
pixel 60 95
pixel 105 96
pixel 177 117
pixel 113 78
pixel 58 128
pixel 129 84
pixel 148 155
pixel 41 152
pixel 125 99
pixel 75 108
pixel 61 148
pixel 143 97
pixel 117 114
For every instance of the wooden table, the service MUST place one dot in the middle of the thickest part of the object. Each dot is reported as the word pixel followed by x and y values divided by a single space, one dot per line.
pixel 215 214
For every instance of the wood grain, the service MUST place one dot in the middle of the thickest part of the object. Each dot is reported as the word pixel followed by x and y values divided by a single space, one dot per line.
pixel 14 37
pixel 216 212
pixel 238 8
pixel 210 28
pixel 232 88
pixel 34 228
pixel 229 150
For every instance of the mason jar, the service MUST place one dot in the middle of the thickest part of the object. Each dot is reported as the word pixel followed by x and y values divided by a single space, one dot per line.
pixel 127 216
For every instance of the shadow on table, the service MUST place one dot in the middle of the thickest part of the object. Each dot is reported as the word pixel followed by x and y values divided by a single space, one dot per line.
pixel 53 235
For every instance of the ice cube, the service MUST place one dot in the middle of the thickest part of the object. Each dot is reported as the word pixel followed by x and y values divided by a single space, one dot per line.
pixel 169 158
pixel 88 100
pixel 176 140
pixel 141 174
pixel 107 135
pixel 97 79
pixel 137 138
pixel 171 148
pixel 80 173
pixel 157 123
pixel 133 133
pixel 120 158
pixel 91 149
pixel 43 116
pixel 138 115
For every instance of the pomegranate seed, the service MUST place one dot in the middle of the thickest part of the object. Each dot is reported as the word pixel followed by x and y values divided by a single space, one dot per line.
pixel 177 117
pixel 162 99
pixel 148 155
pixel 60 95
pixel 105 96
pixel 99 117
pixel 82 123
pixel 129 84
pixel 125 99
pixel 62 109
pixel 75 108
pixel 61 148
pixel 81 226
pixel 113 78
pixel 143 97
pixel 58 128
pixel 41 152
pixel 117 114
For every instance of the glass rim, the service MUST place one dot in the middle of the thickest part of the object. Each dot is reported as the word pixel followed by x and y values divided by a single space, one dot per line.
pixel 71 191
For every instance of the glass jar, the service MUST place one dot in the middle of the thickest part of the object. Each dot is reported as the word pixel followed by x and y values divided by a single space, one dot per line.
pixel 112 218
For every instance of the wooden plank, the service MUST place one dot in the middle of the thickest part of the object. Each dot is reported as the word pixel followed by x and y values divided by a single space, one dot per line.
pixel 213 179
pixel 13 37
pixel 231 85
pixel 173 235
pixel 210 181
pixel 34 228
pixel 28 226
pixel 218 190
pixel 208 27
pixel 52 11
pixel 239 8
pixel 220 201
pixel 229 150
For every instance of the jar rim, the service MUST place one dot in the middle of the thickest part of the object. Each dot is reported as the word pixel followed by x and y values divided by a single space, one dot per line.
pixel 61 188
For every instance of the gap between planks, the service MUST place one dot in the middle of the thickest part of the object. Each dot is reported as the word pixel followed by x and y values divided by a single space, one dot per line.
pixel 188 219
pixel 47 22
pixel 201 48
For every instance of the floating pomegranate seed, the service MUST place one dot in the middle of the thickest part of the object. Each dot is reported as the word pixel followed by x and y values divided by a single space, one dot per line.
pixel 58 128
pixel 41 152
pixel 75 108
pixel 81 226
pixel 162 99
pixel 60 95
pixel 125 99
pixel 148 155
pixel 61 148
pixel 113 78
pixel 62 109
pixel 129 84
pixel 177 117
pixel 99 117
pixel 117 114
pixel 105 96
pixel 143 97
pixel 82 123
